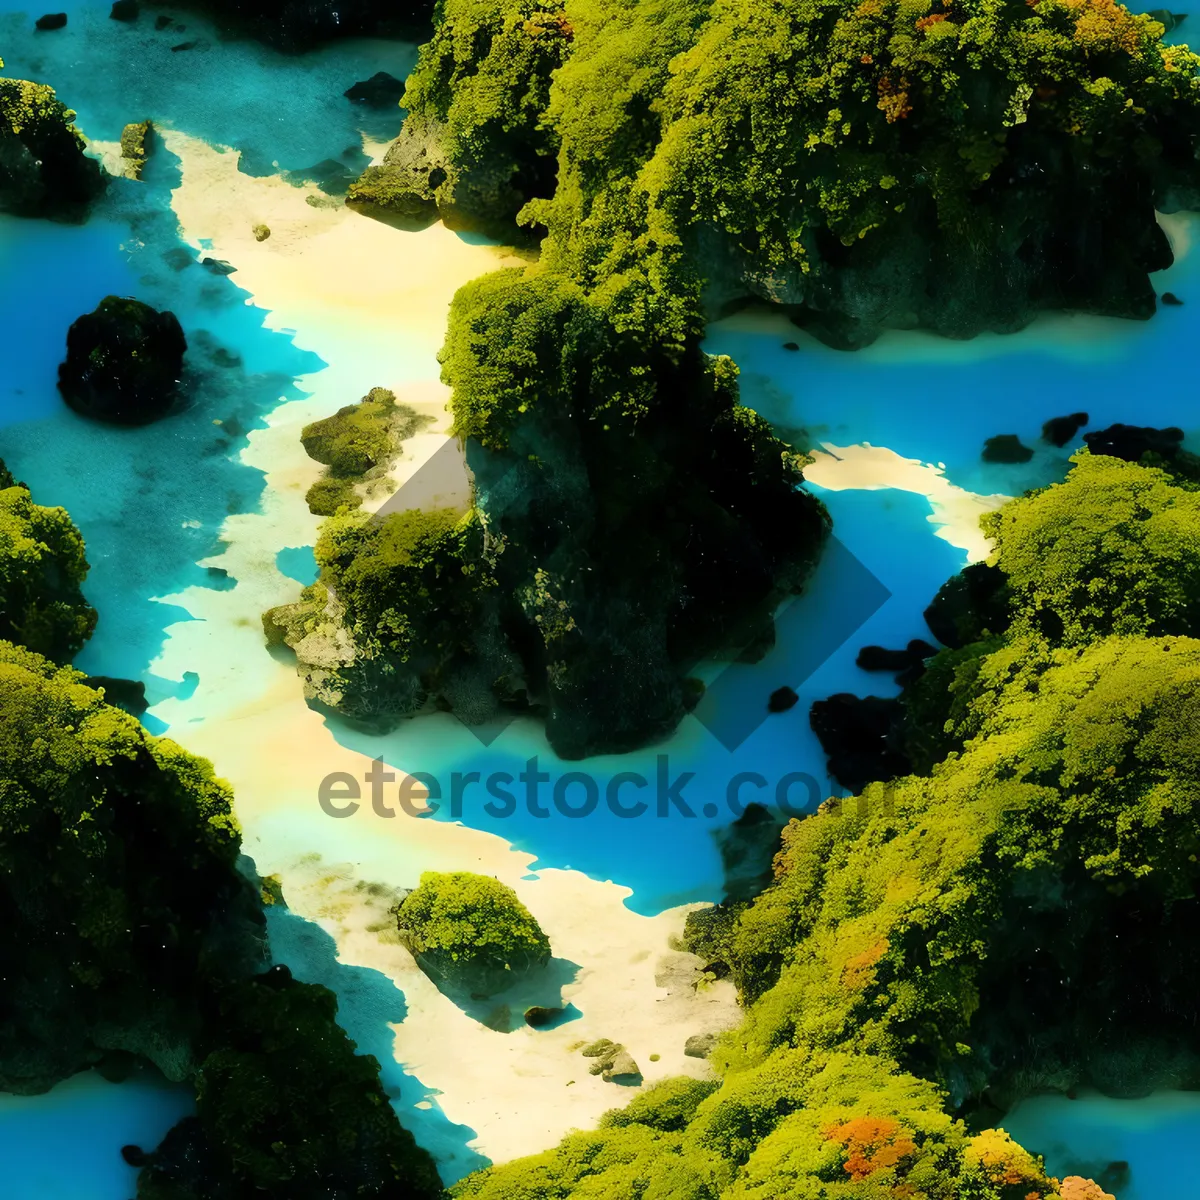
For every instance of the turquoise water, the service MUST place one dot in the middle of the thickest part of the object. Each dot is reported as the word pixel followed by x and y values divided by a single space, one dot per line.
pixel 1155 1136
pixel 174 483
pixel 66 1145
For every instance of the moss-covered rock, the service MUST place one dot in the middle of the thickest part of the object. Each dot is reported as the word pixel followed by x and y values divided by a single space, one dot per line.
pixel 864 165
pixel 357 444
pixel 43 169
pixel 439 166
pixel 42 565
pixel 136 144
pixel 124 362
pixel 470 933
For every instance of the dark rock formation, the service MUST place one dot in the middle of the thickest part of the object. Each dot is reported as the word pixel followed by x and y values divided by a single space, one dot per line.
pixel 127 694
pixel 332 177
pixel 136 145
pixel 43 170
pixel 1006 448
pixel 860 737
pixel 218 266
pixel 405 186
pixel 125 10
pixel 781 699
pixel 51 21
pixel 700 1045
pixel 1169 298
pixel 380 91
pixel 1167 19
pixel 538 1016
pixel 876 658
pixel 1132 442
pixel 1058 431
pixel 124 362
pixel 971 603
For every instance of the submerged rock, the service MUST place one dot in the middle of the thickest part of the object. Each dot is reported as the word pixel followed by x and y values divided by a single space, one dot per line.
pixel 781 699
pixel 1169 298
pixel 1167 19
pixel 700 1045
pixel 538 1016
pixel 876 658
pixel 51 21
pixel 1006 448
pixel 124 362
pixel 298 25
pixel 1058 431
pixel 43 169
pixel 380 91
pixel 126 10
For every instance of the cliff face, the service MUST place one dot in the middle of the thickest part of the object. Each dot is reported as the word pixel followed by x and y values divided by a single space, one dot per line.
pixel 961 167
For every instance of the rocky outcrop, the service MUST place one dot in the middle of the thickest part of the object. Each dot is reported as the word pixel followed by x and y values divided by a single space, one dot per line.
pixel 124 362
pixel 382 90
pixel 1005 448
pixel 135 147
pixel 700 1045
pixel 612 1062
pixel 43 170
pixel 1133 442
pixel 1058 431
pixel 405 187
pixel 861 738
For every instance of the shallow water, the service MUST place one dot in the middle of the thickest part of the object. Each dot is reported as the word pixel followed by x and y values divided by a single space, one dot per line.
pixel 178 481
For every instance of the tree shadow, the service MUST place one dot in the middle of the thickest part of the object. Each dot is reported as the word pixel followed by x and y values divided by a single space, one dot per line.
pixel 368 1004
pixel 537 992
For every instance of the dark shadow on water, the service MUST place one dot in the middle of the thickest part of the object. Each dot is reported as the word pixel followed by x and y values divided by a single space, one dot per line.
pixel 368 1004
pixel 748 847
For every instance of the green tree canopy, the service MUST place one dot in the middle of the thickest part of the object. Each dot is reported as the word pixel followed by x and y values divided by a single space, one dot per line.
pixel 470 931
pixel 42 565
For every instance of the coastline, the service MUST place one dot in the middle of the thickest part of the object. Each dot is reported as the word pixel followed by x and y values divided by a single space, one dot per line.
pixel 323 276
pixel 864 467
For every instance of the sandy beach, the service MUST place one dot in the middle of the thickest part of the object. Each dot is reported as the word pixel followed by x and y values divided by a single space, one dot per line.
pixel 956 512
pixel 372 302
